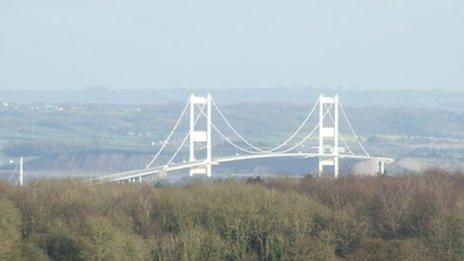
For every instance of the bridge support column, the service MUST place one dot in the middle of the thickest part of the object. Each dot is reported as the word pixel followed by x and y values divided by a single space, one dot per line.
pixel 329 151
pixel 202 136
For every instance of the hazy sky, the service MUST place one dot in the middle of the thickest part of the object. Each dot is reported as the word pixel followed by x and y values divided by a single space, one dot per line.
pixel 56 44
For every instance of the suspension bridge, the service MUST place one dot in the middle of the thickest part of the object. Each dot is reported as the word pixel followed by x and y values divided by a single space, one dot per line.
pixel 210 139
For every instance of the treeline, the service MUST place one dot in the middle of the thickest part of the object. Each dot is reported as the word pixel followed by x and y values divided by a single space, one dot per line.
pixel 411 217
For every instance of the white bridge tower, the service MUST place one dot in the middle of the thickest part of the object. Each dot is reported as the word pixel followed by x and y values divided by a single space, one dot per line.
pixel 329 150
pixel 202 136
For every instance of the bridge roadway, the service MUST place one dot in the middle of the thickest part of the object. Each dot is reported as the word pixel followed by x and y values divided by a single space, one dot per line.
pixel 139 173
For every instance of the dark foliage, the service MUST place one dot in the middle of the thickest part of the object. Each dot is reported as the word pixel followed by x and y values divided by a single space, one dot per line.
pixel 411 217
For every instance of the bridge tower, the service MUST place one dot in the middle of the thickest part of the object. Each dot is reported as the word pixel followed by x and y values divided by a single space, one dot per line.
pixel 202 136
pixel 329 150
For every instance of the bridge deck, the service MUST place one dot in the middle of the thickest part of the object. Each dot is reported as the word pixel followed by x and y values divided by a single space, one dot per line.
pixel 157 170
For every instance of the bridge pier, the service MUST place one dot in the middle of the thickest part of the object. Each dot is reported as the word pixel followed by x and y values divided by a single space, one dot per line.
pixel 381 167
pixel 327 161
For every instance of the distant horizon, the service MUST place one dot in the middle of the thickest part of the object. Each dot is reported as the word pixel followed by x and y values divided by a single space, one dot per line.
pixel 425 99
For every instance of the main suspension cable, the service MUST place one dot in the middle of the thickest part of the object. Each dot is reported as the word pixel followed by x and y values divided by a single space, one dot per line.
pixel 229 140
pixel 186 137
pixel 309 135
pixel 169 136
pixel 13 172
pixel 273 151
pixel 308 116
pixel 232 143
pixel 341 136
pixel 352 130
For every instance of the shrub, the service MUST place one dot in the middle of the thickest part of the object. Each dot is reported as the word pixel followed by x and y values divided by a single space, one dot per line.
pixel 9 228
pixel 410 217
